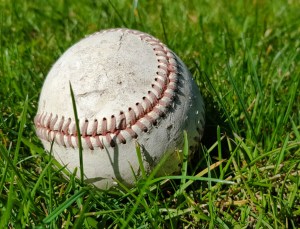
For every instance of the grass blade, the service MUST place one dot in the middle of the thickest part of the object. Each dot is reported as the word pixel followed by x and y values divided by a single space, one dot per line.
pixel 78 135
pixel 281 155
pixel 241 101
pixel 185 161
pixel 64 206
pixel 9 205
pixel 139 156
pixel 41 177
pixel 222 104
pixel 20 133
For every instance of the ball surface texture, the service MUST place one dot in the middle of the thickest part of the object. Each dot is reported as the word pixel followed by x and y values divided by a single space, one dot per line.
pixel 129 88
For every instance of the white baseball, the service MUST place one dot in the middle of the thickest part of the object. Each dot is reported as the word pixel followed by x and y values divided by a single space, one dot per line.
pixel 129 88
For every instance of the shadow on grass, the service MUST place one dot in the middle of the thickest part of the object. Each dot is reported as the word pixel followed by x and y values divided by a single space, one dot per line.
pixel 214 118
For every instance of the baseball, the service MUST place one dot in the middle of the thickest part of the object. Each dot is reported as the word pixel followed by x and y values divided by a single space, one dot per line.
pixel 129 88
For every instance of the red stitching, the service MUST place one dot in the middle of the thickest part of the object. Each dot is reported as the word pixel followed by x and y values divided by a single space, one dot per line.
pixel 159 112
pixel 142 115
pixel 140 110
pixel 54 137
pixel 60 124
pixel 104 126
pixel 131 132
pixel 168 95
pixel 158 90
pixel 122 124
pixel 113 124
pixel 95 126
pixel 70 141
pixel 98 142
pixel 53 122
pixel 49 121
pixel 150 119
pixel 132 116
pixel 153 97
pixel 65 129
pixel 148 104
pixel 162 61
pixel 142 126
pixel 61 138
pixel 110 140
pixel 88 142
pixel 121 138
pixel 73 131
pixel 84 129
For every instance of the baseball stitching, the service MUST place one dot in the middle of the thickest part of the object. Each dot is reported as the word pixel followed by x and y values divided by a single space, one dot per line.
pixel 128 124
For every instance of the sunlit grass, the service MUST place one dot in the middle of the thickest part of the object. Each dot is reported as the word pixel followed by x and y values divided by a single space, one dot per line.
pixel 244 55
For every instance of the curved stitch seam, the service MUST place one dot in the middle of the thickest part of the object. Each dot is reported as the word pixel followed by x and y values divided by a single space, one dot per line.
pixel 156 103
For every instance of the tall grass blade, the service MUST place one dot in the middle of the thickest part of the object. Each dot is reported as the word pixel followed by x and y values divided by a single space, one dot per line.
pixel 9 205
pixel 281 155
pixel 140 159
pixel 78 135
pixel 241 101
pixel 21 128
pixel 41 177
pixel 64 206
pixel 185 161
pixel 222 104
pixel 148 182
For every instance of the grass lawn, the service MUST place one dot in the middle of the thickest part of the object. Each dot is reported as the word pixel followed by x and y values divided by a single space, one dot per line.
pixel 245 57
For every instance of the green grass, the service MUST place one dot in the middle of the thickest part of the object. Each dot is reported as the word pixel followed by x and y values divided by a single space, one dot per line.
pixel 245 57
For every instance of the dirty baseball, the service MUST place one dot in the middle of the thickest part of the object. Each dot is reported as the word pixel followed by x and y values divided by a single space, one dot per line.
pixel 129 88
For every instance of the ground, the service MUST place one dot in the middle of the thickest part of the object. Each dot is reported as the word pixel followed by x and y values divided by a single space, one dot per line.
pixel 244 56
